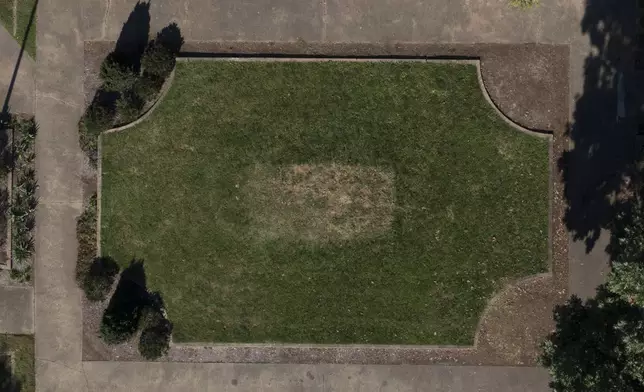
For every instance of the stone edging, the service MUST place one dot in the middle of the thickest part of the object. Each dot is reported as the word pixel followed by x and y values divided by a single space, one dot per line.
pixel 344 353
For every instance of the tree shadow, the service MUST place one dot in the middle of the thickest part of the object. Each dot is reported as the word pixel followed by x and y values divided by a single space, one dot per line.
pixel 133 38
pixel 8 383
pixel 603 132
pixel 123 313
pixel 5 117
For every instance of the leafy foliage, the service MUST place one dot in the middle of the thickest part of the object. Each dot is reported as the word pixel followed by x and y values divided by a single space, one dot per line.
pixel 97 118
pixel 99 279
pixel 24 200
pixel 158 60
pixel 128 107
pixel 155 340
pixel 627 248
pixel 117 76
pixel 147 87
pixel 598 346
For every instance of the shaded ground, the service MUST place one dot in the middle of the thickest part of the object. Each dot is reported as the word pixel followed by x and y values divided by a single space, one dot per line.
pixel 21 363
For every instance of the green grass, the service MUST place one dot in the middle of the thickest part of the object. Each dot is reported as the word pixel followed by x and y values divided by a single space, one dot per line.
pixel 471 202
pixel 23 14
pixel 22 347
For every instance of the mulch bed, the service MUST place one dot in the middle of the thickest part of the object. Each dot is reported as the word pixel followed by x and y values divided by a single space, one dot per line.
pixel 529 83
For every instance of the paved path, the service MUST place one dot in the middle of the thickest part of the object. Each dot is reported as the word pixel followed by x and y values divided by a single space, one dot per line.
pixel 61 31
pixel 16 309
pixel 141 377
pixel 59 73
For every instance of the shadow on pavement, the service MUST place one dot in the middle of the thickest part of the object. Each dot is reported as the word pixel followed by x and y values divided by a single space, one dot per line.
pixel 4 115
pixel 603 131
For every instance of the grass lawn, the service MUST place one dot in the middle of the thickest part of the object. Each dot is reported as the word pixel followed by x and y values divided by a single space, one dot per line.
pixel 22 348
pixel 326 202
pixel 23 13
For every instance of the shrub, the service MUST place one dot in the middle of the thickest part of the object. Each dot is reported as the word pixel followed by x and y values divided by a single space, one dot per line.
pixel 100 278
pixel 116 76
pixel 155 340
pixel 123 314
pixel 24 200
pixel 598 346
pixel 147 87
pixel 97 118
pixel 86 236
pixel 128 107
pixel 158 60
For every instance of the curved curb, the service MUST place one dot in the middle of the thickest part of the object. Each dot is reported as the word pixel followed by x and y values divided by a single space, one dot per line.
pixel 167 84
pixel 530 131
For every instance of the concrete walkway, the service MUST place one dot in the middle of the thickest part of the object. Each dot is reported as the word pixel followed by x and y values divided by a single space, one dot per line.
pixel 59 73
pixel 61 32
pixel 17 310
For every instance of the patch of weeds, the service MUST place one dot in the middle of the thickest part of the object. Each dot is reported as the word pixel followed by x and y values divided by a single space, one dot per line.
pixel 524 3
pixel 86 235
pixel 24 200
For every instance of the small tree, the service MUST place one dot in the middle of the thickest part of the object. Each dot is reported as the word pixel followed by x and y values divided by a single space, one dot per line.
pixel 597 346
pixel 122 315
pixel 158 60
pixel 155 340
pixel 128 107
pixel 100 278
pixel 147 87
pixel 116 76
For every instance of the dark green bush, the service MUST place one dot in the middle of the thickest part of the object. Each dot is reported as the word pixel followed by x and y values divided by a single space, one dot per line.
pixel 147 87
pixel 158 60
pixel 123 314
pixel 128 107
pixel 155 340
pixel 97 118
pixel 86 236
pixel 116 76
pixel 100 278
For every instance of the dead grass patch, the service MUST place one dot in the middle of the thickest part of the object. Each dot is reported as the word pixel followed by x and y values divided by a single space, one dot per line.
pixel 320 202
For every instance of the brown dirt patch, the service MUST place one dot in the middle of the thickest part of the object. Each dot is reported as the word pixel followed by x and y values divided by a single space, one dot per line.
pixel 517 321
pixel 326 202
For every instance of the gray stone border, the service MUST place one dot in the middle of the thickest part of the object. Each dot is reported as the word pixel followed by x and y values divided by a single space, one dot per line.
pixel 351 353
